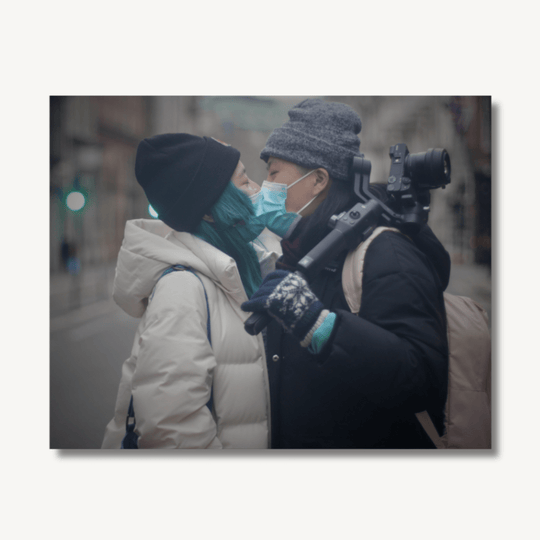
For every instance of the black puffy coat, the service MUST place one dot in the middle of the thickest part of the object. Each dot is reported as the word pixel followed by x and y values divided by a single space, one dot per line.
pixel 378 368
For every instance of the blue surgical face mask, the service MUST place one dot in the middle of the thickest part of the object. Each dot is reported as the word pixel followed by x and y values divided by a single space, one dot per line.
pixel 270 212
pixel 283 188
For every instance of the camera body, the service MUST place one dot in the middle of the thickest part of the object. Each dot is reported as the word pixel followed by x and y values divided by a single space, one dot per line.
pixel 422 171
pixel 411 178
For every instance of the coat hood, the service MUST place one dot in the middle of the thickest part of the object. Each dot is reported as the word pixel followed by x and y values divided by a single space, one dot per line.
pixel 150 247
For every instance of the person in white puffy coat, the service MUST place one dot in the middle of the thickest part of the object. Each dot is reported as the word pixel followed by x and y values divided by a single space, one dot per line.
pixel 189 391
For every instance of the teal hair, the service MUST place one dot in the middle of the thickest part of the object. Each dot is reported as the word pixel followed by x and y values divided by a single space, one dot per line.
pixel 233 206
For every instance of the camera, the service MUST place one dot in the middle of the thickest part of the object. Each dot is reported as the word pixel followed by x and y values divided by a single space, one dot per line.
pixel 422 171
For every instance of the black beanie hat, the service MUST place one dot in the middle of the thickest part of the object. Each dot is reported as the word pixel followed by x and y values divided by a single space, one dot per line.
pixel 318 134
pixel 183 176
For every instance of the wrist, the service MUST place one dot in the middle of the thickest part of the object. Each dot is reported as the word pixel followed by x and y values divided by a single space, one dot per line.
pixel 323 334
pixel 306 342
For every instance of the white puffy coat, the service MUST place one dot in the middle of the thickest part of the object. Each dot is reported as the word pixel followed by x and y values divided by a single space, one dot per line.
pixel 172 366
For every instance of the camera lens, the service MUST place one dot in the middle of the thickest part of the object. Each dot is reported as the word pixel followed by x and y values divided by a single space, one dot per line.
pixel 429 170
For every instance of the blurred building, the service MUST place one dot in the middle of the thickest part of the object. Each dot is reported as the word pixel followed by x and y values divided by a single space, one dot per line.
pixel 93 142
pixel 472 119
pixel 245 122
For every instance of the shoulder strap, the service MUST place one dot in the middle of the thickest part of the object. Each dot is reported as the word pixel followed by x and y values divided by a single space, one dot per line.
pixel 426 422
pixel 180 267
pixel 353 270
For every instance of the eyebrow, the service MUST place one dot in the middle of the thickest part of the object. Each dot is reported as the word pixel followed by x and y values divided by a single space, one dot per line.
pixel 269 162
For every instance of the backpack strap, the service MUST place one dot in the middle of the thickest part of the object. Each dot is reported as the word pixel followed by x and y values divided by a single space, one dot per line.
pixel 353 274
pixel 180 267
pixel 430 429
pixel 129 442
pixel 353 270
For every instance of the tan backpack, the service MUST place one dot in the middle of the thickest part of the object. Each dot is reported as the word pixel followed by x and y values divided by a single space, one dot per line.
pixel 468 406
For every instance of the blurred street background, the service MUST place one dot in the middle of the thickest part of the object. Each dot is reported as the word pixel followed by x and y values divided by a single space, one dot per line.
pixel 93 192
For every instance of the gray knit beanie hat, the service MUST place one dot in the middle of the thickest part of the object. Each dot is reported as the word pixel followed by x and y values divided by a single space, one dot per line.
pixel 318 134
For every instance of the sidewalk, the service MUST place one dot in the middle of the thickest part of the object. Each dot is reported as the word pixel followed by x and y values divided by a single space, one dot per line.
pixel 72 292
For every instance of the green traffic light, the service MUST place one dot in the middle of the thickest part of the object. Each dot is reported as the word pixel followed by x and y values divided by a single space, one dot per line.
pixel 75 201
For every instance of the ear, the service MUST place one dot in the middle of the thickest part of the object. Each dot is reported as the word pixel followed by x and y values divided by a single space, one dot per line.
pixel 322 178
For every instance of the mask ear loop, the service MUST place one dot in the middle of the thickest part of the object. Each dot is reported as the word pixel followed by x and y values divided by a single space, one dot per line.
pixel 296 182
pixel 306 205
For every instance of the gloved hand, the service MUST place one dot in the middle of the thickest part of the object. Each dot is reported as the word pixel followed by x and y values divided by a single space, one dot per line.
pixel 286 296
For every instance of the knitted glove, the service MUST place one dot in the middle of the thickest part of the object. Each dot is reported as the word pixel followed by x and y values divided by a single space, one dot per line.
pixel 286 296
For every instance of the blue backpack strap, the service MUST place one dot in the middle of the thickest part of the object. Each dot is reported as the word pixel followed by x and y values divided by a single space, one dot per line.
pixel 130 440
pixel 177 267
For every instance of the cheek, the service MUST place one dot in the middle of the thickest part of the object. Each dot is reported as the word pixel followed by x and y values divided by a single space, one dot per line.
pixel 293 202
pixel 254 187
pixel 298 196
pixel 248 190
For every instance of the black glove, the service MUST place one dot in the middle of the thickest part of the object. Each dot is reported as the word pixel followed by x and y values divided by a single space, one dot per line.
pixel 286 296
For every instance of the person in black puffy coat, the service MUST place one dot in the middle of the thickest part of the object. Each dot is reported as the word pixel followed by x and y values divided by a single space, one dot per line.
pixel 339 380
